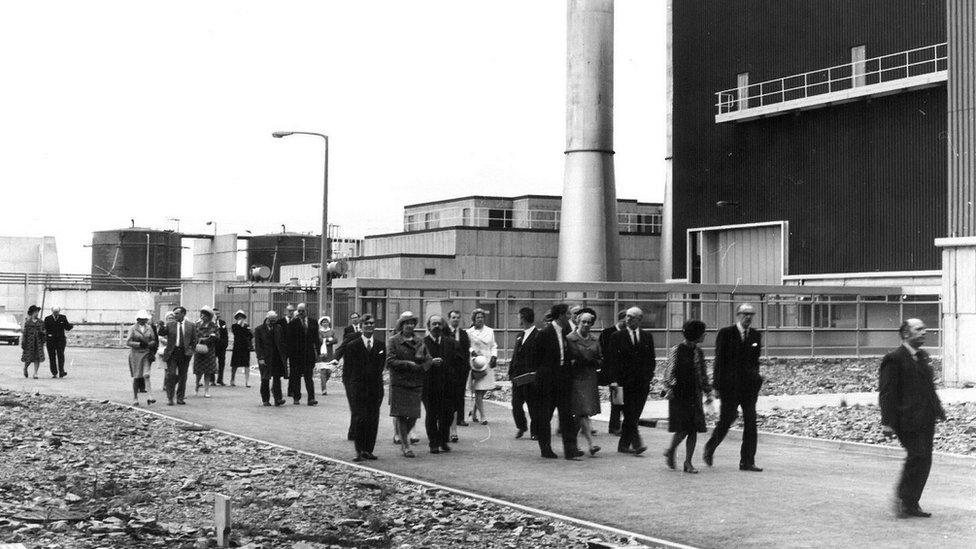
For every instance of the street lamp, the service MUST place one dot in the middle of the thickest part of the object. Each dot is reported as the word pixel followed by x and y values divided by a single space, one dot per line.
pixel 324 251
pixel 213 264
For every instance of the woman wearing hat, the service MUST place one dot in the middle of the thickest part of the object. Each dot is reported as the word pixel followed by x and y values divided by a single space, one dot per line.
pixel 142 342
pixel 240 355
pixel 586 358
pixel 484 354
pixel 327 350
pixel 205 352
pixel 32 340
pixel 408 361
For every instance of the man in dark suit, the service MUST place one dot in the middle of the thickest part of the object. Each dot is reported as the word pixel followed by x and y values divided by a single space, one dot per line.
pixel 272 354
pixel 616 410
pixel 223 340
pixel 362 374
pixel 355 326
pixel 181 336
pixel 909 410
pixel 455 331
pixel 630 356
pixel 521 363
pixel 303 350
pixel 554 386
pixel 55 326
pixel 736 381
pixel 438 391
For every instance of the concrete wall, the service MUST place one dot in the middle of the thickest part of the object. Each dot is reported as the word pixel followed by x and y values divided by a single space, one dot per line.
pixel 226 257
pixel 25 254
pixel 99 305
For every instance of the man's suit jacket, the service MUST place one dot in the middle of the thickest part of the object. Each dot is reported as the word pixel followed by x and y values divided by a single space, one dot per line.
pixel 464 347
pixel 171 330
pixel 223 339
pixel 736 365
pixel 439 380
pixel 550 372
pixel 362 370
pixel 269 346
pixel 349 331
pixel 906 392
pixel 523 354
pixel 630 365
pixel 303 344
pixel 56 327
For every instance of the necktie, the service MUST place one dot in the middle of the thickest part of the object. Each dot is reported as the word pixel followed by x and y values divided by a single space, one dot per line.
pixel 745 333
pixel 633 337
pixel 179 336
pixel 369 344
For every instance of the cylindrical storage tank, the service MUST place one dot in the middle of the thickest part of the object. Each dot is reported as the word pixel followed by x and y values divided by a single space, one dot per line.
pixel 275 250
pixel 122 258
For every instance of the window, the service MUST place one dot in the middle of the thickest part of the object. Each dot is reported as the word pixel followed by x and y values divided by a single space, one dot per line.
pixel 410 223
pixel 432 220
pixel 500 219
pixel 428 271
pixel 466 217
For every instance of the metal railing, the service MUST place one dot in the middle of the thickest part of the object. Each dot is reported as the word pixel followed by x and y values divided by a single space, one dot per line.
pixel 629 222
pixel 876 70
pixel 794 320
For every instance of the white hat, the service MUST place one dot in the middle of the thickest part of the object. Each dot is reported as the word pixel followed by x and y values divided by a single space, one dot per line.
pixel 479 363
pixel 143 314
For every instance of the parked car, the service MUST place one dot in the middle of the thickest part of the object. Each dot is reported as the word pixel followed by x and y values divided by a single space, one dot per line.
pixel 10 329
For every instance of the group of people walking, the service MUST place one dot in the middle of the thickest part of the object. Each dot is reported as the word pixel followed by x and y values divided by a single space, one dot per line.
pixel 38 335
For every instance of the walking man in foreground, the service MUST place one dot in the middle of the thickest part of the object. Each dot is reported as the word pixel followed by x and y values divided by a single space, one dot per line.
pixel 55 326
pixel 362 375
pixel 272 355
pixel 737 381
pixel 303 350
pixel 181 336
pixel 521 365
pixel 631 361
pixel 909 410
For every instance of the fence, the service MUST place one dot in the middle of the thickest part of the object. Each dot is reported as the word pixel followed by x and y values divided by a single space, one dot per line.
pixel 794 320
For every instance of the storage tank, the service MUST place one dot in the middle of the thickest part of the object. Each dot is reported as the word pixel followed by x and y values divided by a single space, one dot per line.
pixel 275 250
pixel 123 254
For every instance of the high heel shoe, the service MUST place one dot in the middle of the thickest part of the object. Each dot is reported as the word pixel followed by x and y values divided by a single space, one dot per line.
pixel 689 468
pixel 669 458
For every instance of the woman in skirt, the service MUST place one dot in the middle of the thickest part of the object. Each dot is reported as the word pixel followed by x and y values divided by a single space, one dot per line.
pixel 142 344
pixel 685 382
pixel 240 355
pixel 32 340
pixel 205 353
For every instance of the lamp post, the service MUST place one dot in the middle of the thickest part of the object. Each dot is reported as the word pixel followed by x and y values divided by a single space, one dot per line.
pixel 324 251
pixel 213 265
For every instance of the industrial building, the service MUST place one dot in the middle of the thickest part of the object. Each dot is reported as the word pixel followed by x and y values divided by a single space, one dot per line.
pixel 809 142
pixel 494 238
pixel 21 256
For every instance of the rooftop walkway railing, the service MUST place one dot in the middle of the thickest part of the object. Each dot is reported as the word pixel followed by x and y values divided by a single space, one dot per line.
pixel 910 69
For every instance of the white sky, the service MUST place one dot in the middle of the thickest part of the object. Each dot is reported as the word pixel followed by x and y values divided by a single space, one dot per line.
pixel 112 110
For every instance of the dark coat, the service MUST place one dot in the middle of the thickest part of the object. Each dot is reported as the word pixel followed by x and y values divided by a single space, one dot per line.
pixel 270 347
pixel 349 331
pixel 439 380
pixel 464 347
pixel 630 365
pixel 240 355
pixel 223 339
pixel 408 361
pixel 303 345
pixel 736 365
pixel 362 371
pixel 550 373
pixel 523 354
pixel 56 327
pixel 906 392
pixel 170 331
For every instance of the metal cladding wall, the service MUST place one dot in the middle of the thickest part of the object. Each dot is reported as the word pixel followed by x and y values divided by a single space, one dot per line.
pixel 862 184
pixel 275 250
pixel 122 254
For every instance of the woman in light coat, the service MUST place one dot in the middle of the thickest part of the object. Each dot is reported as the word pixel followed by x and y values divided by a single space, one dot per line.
pixel 482 344
pixel 142 343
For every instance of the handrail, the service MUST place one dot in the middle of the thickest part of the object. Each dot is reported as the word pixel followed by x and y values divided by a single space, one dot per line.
pixel 728 100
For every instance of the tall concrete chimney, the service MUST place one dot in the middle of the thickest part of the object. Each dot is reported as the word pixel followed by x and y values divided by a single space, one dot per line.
pixel 589 247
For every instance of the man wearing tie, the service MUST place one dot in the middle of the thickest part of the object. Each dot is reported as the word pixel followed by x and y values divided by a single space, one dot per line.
pixel 461 370
pixel 615 409
pixel 736 381
pixel 438 392
pixel 180 341
pixel 355 326
pixel 303 351
pixel 223 341
pixel 55 326
pixel 362 375
pixel 630 357
pixel 554 386
pixel 520 364
pixel 909 409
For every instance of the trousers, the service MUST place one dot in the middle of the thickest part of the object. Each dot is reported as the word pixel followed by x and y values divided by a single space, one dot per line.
pixel 175 380
pixel 918 463
pixel 728 412
pixel 55 353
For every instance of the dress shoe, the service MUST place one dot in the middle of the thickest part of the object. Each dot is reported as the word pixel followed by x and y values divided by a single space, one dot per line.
pixel 369 456
pixel 170 403
pixel 907 511
pixel 614 432
pixel 297 402
pixel 454 438
pixel 279 402
pixel 549 454
pixel 594 450
pixel 689 468
pixel 463 424
pixel 181 402
pixel 409 454
pixel 640 450
pixel 435 450
pixel 519 433
pixel 55 376
pixel 414 440
pixel 484 422
pixel 750 467
pixel 359 457
pixel 221 383
pixel 267 404
pixel 313 403
pixel 445 448
pixel 669 458
pixel 575 453
pixel 151 401
pixel 62 374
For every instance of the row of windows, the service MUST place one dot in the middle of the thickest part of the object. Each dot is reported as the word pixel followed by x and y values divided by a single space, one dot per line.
pixel 500 218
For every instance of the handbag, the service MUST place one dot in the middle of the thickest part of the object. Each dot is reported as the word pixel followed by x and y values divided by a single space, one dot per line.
pixel 524 379
pixel 201 348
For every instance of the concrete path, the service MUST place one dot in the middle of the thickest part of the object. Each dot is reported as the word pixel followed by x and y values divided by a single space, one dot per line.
pixel 807 497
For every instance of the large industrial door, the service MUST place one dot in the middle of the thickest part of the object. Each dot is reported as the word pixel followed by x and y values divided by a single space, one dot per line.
pixel 738 254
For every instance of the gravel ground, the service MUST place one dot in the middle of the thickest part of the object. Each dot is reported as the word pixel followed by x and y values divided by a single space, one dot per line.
pixel 80 474
pixel 957 435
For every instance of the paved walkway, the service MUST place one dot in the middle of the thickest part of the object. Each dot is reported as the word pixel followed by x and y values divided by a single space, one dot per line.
pixel 807 497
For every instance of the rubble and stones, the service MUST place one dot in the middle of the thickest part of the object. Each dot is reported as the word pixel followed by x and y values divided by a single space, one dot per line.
pixel 80 474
